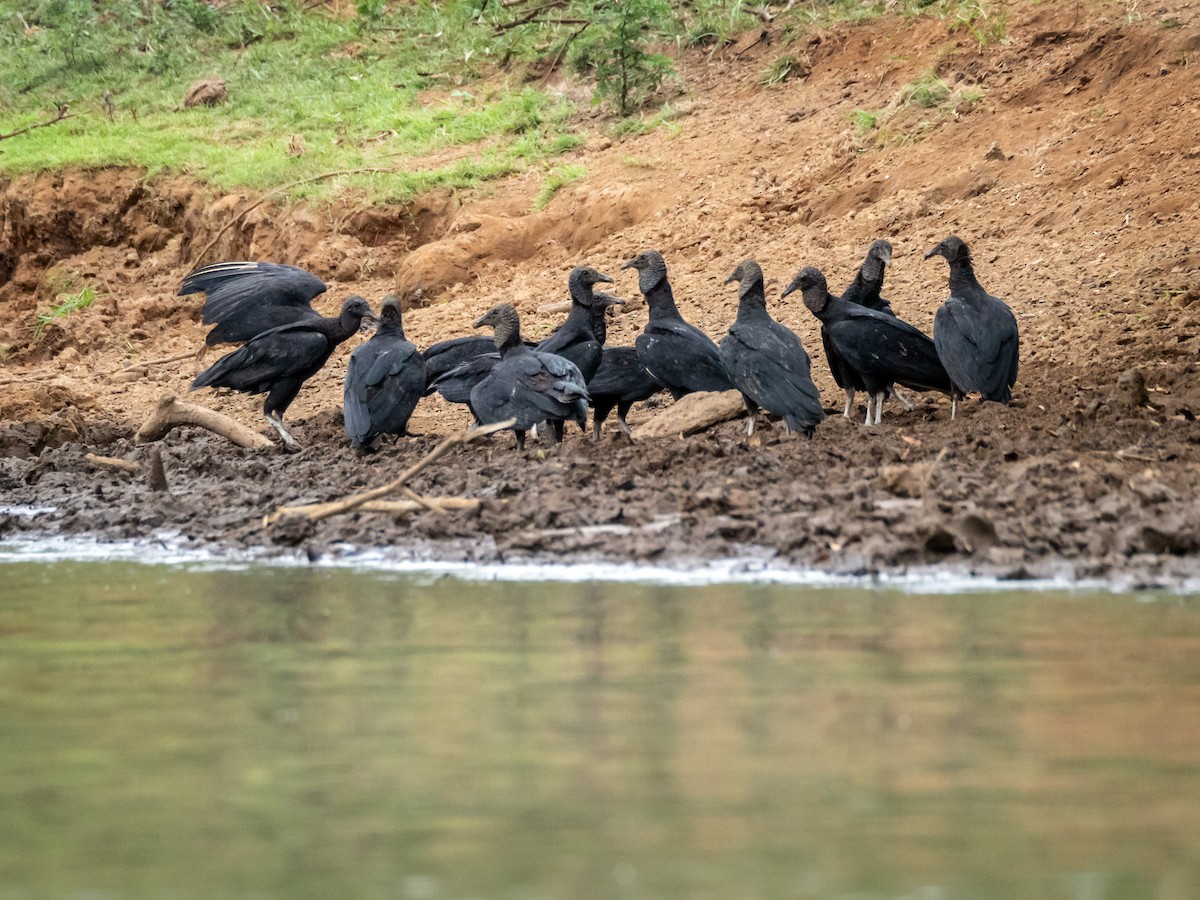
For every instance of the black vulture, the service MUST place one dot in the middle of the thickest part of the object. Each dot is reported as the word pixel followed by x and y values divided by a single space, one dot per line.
pixel 620 382
pixel 975 333
pixel 864 290
pixel 882 349
pixel 575 339
pixel 680 356
pixel 243 299
pixel 525 385
pixel 278 361
pixel 384 381
pixel 444 356
pixel 766 361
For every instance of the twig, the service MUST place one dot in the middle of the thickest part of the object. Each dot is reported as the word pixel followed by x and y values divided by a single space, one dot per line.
pixel 112 462
pixel 407 506
pixel 62 114
pixel 282 189
pixel 318 511
pixel 563 49
pixel 153 362
pixel 427 502
pixel 529 16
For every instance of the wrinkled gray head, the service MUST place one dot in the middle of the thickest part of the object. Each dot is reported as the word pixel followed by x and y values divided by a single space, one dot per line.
pixel 354 311
pixel 604 300
pixel 878 258
pixel 390 312
pixel 748 275
pixel 504 319
pixel 811 283
pixel 953 248
pixel 652 269
pixel 582 278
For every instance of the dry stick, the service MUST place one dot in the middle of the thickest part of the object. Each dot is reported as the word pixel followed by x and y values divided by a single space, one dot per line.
pixel 530 16
pixel 407 506
pixel 318 511
pixel 170 411
pixel 191 354
pixel 62 114
pixel 428 503
pixel 112 462
pixel 282 189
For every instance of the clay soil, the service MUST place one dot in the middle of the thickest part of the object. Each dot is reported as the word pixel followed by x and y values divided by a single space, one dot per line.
pixel 1068 156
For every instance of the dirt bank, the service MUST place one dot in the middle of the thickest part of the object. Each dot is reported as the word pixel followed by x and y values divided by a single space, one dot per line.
pixel 1067 155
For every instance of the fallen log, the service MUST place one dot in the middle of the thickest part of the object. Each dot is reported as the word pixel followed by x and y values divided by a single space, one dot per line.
pixel 171 412
pixel 693 413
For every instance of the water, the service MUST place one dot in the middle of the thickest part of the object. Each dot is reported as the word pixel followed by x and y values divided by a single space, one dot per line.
pixel 174 732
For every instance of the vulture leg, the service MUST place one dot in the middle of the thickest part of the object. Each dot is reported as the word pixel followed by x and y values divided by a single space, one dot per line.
pixel 850 392
pixel 276 422
pixel 908 405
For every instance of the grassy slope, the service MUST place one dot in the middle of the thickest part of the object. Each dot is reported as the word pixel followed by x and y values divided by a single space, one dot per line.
pixel 350 85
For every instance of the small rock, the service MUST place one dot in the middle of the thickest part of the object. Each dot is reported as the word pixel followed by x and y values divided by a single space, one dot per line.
pixel 206 92
pixel 995 153
pixel 1131 388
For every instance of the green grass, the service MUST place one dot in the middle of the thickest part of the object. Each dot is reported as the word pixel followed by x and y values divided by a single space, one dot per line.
pixel 352 89
pixel 436 94
pixel 558 178
pixel 783 69
pixel 67 304
pixel 927 92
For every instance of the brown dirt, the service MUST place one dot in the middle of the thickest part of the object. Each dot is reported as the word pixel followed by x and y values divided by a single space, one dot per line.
pixel 1084 221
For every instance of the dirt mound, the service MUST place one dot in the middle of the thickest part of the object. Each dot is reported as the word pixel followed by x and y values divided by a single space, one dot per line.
pixel 1062 146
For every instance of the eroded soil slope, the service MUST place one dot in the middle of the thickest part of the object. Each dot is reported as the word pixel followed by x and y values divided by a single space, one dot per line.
pixel 1068 156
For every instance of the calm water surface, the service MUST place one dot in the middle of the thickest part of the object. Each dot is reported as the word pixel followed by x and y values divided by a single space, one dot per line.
pixel 296 733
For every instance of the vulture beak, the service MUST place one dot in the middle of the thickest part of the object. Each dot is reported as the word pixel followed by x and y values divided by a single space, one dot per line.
pixel 886 257
pixel 933 252
pixel 787 290
pixel 733 277
pixel 604 278
pixel 628 264
pixel 481 321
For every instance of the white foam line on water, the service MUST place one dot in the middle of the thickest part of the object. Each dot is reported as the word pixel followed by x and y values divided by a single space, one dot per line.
pixel 694 573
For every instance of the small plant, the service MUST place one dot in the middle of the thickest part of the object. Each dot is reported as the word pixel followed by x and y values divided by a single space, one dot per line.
pixel 558 178
pixel 638 162
pixel 784 68
pixel 67 304
pixel 627 73
pixel 864 121
pixel 635 125
pixel 927 92
pixel 986 26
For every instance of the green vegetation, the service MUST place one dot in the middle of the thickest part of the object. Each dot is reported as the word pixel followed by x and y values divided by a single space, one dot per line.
pixel 784 68
pixel 864 121
pixel 67 304
pixel 558 178
pixel 402 97
pixel 617 49
pixel 927 92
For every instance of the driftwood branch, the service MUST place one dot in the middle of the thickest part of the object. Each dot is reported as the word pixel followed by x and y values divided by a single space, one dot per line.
pixel 318 511
pixel 283 188
pixel 62 114
pixel 170 412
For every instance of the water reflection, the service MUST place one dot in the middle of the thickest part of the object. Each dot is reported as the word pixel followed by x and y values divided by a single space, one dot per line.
pixel 296 733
